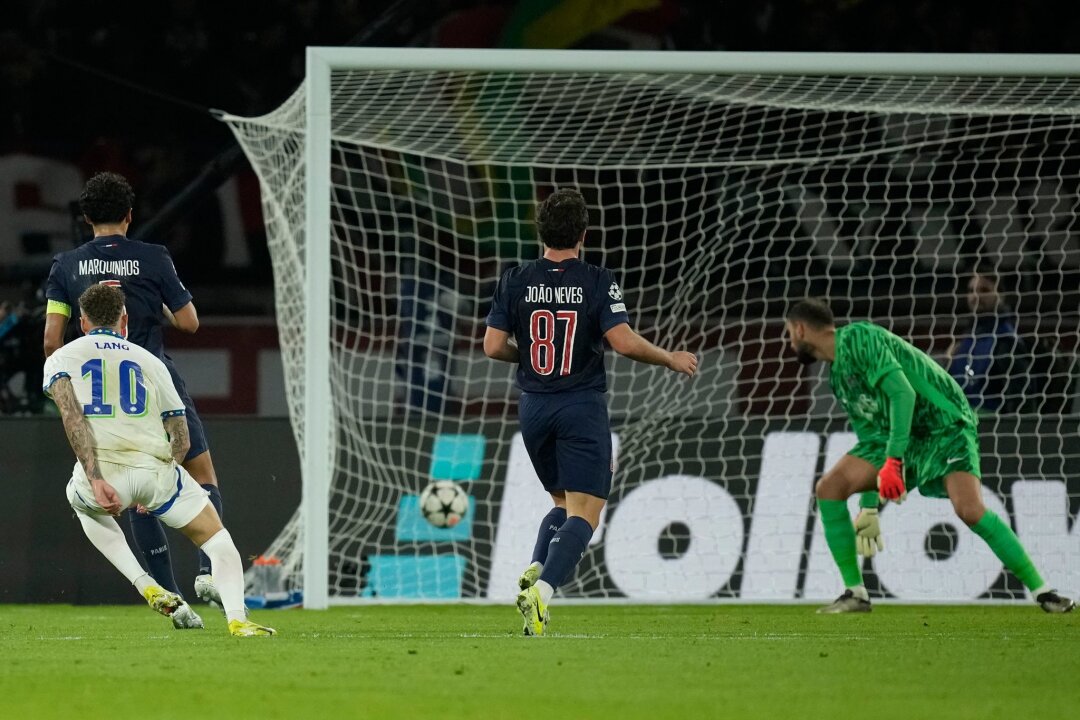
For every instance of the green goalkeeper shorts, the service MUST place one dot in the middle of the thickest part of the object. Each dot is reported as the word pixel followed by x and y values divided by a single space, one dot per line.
pixel 929 460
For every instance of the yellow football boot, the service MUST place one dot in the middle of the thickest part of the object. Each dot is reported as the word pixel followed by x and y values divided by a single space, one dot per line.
pixel 533 610
pixel 246 628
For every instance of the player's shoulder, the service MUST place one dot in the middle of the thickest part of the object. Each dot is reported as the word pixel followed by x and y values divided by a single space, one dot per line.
pixel 79 344
pixel 514 272
pixel 518 276
pixel 858 337
pixel 595 271
pixel 65 257
pixel 604 282
pixel 144 356
pixel 147 250
pixel 74 349
pixel 862 329
pixel 145 359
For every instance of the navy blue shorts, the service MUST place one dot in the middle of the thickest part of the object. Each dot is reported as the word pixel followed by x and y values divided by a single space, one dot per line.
pixel 194 423
pixel 568 437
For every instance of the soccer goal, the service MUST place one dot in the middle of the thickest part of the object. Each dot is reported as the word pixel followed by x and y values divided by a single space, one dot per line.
pixel 398 183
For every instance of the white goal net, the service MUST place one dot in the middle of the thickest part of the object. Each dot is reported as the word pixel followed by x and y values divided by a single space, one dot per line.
pixel 716 198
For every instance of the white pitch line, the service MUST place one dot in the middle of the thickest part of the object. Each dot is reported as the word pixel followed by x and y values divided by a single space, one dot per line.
pixel 66 637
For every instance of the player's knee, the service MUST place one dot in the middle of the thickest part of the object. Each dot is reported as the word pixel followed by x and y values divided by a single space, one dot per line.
pixel 969 511
pixel 829 488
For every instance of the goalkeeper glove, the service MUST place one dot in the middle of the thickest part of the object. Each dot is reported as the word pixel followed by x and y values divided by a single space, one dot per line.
pixel 890 481
pixel 868 539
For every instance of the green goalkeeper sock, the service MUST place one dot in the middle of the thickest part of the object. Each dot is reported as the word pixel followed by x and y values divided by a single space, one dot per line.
pixel 840 535
pixel 1003 541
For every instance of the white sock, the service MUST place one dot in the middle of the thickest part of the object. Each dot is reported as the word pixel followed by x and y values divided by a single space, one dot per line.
pixel 859 591
pixel 144 581
pixel 228 573
pixel 108 538
pixel 545 590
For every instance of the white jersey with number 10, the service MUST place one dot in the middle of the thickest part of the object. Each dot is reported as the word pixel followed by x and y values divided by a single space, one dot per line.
pixel 125 392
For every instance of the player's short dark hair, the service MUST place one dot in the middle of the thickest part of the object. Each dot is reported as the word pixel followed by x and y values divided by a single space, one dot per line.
pixel 106 198
pixel 102 305
pixel 561 219
pixel 812 311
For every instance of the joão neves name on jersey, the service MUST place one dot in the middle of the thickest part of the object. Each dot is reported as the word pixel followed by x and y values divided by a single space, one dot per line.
pixel 108 267
pixel 547 294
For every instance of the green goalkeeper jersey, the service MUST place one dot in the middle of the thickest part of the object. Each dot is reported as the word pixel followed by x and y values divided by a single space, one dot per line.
pixel 865 353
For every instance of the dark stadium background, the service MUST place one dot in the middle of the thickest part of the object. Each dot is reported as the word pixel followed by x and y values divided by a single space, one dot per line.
pixel 128 88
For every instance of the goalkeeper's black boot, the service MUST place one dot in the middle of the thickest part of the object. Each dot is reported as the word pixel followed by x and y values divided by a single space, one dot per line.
pixel 1051 602
pixel 846 603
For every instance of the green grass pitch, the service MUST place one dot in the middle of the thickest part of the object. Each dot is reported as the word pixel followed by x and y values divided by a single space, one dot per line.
pixel 464 661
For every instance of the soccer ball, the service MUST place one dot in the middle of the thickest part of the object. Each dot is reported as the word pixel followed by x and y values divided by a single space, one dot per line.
pixel 443 503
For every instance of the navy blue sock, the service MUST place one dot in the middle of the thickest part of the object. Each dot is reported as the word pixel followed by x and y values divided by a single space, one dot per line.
pixel 566 549
pixel 215 500
pixel 154 546
pixel 548 527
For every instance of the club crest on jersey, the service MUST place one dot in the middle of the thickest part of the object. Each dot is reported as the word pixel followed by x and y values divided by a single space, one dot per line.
pixel 614 292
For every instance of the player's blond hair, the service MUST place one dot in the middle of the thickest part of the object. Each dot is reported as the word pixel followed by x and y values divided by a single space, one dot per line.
pixel 102 305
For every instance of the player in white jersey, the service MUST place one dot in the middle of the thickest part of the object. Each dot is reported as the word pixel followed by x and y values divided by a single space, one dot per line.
pixel 125 422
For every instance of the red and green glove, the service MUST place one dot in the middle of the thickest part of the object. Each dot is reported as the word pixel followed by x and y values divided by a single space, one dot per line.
pixel 890 481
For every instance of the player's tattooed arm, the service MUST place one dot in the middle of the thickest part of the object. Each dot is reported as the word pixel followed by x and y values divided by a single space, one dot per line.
pixel 77 427
pixel 179 438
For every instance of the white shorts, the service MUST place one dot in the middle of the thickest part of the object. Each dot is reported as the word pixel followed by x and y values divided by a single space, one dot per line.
pixel 169 493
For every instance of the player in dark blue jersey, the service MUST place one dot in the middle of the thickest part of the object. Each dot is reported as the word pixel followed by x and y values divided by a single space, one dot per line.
pixel 558 310
pixel 154 295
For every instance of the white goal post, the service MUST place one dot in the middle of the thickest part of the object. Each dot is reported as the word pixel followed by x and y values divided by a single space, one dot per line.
pixel 723 116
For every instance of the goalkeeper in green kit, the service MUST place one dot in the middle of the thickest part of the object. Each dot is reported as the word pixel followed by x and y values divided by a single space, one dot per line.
pixel 915 429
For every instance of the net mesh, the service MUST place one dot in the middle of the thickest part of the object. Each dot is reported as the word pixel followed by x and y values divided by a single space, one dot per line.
pixel 715 200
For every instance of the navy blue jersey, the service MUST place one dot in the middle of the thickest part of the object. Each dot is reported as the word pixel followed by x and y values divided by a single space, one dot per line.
pixel 558 314
pixel 146 275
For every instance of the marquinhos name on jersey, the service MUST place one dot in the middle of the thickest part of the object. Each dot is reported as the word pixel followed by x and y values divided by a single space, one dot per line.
pixel 97 266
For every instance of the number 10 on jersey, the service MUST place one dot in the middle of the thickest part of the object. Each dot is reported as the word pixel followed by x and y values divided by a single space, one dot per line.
pixel 132 389
pixel 542 330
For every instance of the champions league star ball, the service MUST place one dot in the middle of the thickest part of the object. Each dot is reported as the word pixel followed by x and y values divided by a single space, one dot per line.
pixel 443 503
